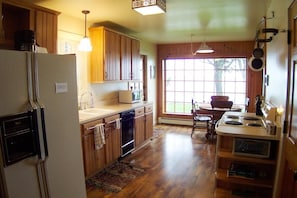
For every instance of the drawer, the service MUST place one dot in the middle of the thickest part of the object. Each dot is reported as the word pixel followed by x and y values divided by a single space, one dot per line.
pixel 87 128
pixel 148 108
pixel 139 111
pixel 111 118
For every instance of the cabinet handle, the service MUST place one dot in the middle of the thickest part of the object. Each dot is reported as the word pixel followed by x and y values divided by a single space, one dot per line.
pixel 295 175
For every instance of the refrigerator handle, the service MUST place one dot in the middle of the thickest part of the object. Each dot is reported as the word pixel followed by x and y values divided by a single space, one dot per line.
pixel 39 104
pixel 44 131
pixel 32 105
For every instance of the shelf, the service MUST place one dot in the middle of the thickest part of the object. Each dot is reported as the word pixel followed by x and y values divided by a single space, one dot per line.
pixel 222 193
pixel 222 175
pixel 229 155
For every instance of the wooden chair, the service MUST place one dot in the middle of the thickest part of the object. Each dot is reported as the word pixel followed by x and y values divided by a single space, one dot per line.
pixel 217 114
pixel 219 98
pixel 221 104
pixel 201 120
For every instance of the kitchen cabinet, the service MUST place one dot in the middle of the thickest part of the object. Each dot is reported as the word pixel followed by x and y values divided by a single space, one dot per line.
pixel 135 60
pixel 126 57
pixel 112 139
pixel 105 56
pixel 139 127
pixel 23 16
pixel 252 176
pixel 115 56
pixel 148 121
pixel 130 58
pixel 94 160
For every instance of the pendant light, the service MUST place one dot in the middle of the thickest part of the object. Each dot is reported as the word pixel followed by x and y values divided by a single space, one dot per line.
pixel 203 49
pixel 85 43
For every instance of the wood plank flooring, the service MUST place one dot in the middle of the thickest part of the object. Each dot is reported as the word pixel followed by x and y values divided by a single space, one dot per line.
pixel 177 166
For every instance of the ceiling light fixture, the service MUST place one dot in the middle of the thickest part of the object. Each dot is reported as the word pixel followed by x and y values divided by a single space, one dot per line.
pixel 203 49
pixel 149 7
pixel 85 44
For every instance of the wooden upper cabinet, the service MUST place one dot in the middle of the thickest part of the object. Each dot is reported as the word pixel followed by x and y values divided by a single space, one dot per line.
pixel 46 30
pixel 135 59
pixel 126 57
pixel 105 56
pixel 115 56
pixel 23 16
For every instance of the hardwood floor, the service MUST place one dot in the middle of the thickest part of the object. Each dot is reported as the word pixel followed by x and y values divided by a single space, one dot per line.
pixel 176 167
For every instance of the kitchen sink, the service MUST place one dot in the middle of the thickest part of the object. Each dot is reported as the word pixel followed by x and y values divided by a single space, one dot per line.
pixel 97 111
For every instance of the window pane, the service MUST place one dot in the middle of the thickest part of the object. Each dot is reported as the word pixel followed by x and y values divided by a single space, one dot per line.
pixel 200 79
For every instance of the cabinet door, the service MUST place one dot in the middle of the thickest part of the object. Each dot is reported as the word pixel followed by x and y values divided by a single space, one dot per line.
pixel 46 30
pixel 148 125
pixel 126 71
pixel 108 145
pixel 139 126
pixel 112 139
pixel 135 59
pixel 112 55
pixel 88 154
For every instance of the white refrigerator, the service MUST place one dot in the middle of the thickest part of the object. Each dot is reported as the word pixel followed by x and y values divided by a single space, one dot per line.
pixel 46 85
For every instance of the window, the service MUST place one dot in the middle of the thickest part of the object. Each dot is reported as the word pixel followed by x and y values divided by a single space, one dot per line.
pixel 185 79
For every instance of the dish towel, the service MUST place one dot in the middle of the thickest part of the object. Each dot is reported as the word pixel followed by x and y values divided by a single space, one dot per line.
pixel 118 123
pixel 99 137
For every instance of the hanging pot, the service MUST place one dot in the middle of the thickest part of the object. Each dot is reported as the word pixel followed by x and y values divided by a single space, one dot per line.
pixel 258 52
pixel 256 64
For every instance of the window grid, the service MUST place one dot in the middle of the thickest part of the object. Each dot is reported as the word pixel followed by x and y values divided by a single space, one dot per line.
pixel 185 79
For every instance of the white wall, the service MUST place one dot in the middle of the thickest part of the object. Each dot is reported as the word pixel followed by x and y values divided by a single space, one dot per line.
pixel 70 31
pixel 277 53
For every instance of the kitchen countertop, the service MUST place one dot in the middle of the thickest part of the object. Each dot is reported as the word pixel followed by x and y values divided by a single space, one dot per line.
pixel 95 113
pixel 244 130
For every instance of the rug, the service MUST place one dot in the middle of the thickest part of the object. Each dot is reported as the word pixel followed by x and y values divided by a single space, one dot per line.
pixel 115 177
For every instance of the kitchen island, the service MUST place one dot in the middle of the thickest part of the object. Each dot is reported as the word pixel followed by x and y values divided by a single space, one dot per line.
pixel 246 156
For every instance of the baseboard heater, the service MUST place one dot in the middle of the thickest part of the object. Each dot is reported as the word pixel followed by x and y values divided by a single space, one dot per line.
pixel 175 121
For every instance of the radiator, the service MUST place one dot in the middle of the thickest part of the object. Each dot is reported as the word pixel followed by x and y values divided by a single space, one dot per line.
pixel 175 121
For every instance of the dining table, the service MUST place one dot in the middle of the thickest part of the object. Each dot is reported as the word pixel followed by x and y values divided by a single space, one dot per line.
pixel 218 112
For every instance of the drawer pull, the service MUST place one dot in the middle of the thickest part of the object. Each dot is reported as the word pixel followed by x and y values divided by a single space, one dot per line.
pixel 90 128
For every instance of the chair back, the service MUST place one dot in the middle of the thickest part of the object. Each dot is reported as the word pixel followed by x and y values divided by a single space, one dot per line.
pixel 221 104
pixel 219 98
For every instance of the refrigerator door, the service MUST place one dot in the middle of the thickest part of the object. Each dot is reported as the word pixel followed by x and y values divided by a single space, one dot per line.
pixel 20 179
pixel 58 93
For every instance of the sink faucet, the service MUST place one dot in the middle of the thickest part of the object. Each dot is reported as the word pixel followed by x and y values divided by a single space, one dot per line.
pixel 91 105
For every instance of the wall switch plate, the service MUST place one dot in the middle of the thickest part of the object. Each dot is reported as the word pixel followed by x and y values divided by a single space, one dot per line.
pixel 61 87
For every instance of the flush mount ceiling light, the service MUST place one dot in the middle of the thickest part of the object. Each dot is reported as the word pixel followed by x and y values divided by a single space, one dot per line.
pixel 85 43
pixel 149 7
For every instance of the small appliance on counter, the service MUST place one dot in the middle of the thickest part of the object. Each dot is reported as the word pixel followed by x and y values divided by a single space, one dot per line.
pixel 130 96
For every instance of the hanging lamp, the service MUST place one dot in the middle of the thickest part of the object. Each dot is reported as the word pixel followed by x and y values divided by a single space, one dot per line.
pixel 85 44
pixel 204 49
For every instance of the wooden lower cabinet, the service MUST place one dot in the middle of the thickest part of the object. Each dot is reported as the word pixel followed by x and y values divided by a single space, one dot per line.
pixel 148 121
pixel 251 177
pixel 94 160
pixel 112 139
pixel 139 126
